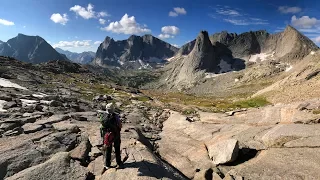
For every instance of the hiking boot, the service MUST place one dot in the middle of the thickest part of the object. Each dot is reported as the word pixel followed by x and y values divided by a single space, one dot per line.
pixel 120 165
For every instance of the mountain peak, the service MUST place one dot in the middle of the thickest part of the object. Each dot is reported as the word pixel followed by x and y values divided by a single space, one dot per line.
pixel 203 43
pixel 289 28
pixel 108 39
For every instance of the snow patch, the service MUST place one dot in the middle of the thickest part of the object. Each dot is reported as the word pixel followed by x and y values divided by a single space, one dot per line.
pixel 224 66
pixel 28 102
pixel 144 65
pixel 169 59
pixel 40 95
pixel 120 62
pixel 45 102
pixel 312 52
pixel 1 106
pixel 258 57
pixel 7 83
pixel 211 75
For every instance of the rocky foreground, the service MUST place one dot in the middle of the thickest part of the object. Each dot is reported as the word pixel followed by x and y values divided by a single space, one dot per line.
pixel 57 137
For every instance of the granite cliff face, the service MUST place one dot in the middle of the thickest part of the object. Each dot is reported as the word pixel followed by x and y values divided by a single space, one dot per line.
pixel 33 49
pixel 137 52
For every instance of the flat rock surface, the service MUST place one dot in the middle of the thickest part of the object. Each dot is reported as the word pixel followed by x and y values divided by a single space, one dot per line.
pixel 181 141
pixel 31 128
pixel 60 166
pixel 282 163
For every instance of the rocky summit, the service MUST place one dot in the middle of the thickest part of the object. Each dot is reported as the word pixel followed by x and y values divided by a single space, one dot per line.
pixel 137 52
pixel 33 49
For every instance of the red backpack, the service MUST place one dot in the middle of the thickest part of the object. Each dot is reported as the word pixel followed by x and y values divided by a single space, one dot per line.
pixel 108 138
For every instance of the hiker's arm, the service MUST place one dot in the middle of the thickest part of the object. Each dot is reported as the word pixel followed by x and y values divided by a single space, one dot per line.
pixel 119 121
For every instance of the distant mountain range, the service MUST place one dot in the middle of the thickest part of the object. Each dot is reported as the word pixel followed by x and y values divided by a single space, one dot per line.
pixel 82 58
pixel 137 52
pixel 33 49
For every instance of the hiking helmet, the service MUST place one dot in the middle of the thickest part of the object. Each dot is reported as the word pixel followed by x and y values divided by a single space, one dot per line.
pixel 110 108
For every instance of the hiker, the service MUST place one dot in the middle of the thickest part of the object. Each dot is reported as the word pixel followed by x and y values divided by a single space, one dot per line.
pixel 110 132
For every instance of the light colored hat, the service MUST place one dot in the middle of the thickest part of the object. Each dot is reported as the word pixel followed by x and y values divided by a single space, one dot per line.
pixel 110 108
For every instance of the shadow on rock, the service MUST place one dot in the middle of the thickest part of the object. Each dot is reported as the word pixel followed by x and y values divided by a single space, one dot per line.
pixel 149 169
pixel 245 154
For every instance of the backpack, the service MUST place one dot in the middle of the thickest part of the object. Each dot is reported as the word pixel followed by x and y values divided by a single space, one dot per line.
pixel 108 121
pixel 108 138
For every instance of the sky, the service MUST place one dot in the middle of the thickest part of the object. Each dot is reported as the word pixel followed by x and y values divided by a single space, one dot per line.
pixel 83 24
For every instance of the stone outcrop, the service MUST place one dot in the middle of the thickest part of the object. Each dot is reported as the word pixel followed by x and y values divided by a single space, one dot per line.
pixel 224 152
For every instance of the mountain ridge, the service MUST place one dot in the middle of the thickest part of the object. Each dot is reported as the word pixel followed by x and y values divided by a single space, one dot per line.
pixel 136 52
pixel 33 49
pixel 235 52
pixel 82 58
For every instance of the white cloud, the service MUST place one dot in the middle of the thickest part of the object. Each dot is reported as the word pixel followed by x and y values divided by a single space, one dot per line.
pixel 97 42
pixel 6 22
pixel 58 18
pixel 71 44
pixel 317 39
pixel 237 22
pixel 102 21
pixel 304 22
pixel 170 30
pixel 180 10
pixel 88 12
pixel 236 16
pixel 165 36
pixel 288 10
pixel 24 26
pixel 228 12
pixel 175 45
pixel 306 30
pixel 103 14
pixel 85 13
pixel 126 25
pixel 245 22
pixel 177 11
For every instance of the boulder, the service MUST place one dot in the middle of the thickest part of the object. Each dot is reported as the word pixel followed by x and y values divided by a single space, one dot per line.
pixel 81 152
pixel 54 119
pixel 9 125
pixel 55 103
pixel 66 125
pixel 59 167
pixel 31 128
pixel 224 151
pixel 96 166
pixel 95 152
pixel 10 104
pixel 5 97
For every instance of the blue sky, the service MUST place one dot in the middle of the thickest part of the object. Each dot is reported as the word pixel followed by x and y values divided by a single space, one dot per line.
pixel 80 25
